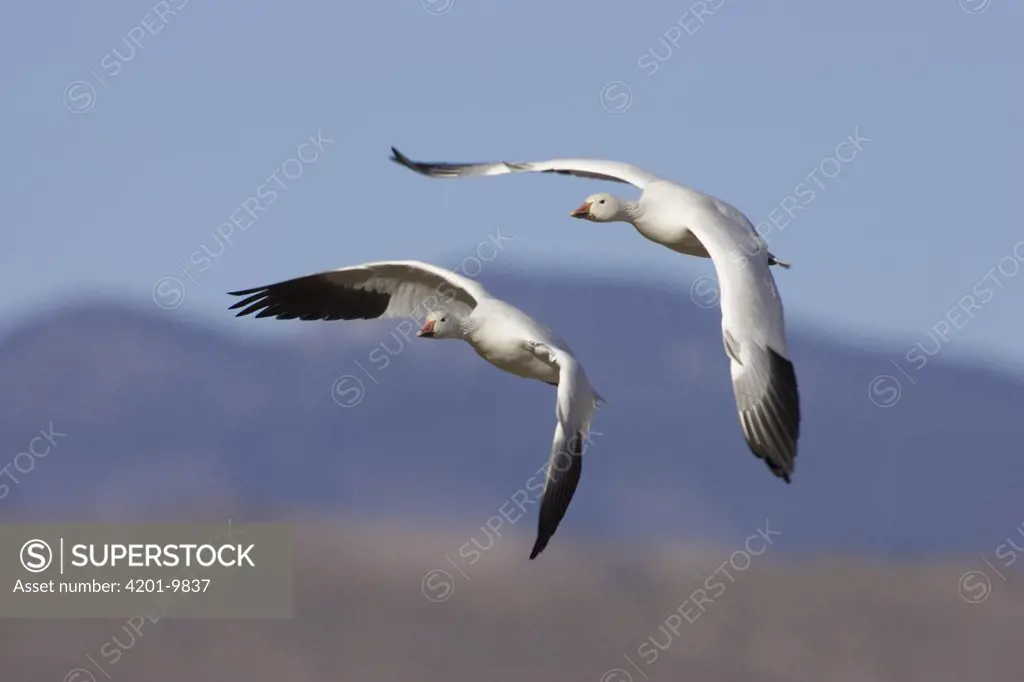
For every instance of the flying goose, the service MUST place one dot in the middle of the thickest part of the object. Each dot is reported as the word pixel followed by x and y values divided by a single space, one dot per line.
pixel 693 223
pixel 454 307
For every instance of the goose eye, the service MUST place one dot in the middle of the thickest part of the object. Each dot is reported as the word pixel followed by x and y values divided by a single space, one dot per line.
pixel 601 202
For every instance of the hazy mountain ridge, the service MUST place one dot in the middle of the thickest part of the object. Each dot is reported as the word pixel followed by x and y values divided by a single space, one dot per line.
pixel 140 391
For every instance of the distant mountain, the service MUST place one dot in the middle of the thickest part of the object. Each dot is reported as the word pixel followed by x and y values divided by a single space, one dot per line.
pixel 159 411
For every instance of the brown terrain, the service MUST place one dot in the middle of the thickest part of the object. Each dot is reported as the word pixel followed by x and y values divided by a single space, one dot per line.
pixel 366 609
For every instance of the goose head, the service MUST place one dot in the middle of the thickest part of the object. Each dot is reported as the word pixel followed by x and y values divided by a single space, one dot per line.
pixel 600 208
pixel 440 325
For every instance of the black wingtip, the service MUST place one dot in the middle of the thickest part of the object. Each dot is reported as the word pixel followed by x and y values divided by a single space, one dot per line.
pixel 245 292
pixel 772 428
pixel 784 472
pixel 555 502
pixel 403 160
pixel 245 301
pixel 429 169
pixel 779 472
pixel 400 158
pixel 539 545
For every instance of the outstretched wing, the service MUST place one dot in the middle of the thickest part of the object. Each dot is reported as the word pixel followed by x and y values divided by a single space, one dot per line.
pixel 753 329
pixel 363 292
pixel 574 407
pixel 584 168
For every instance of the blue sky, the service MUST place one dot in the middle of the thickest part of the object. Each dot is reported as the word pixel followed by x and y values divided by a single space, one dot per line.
pixel 121 165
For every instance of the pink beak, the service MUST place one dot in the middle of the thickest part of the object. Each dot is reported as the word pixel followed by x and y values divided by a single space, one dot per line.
pixel 427 329
pixel 581 212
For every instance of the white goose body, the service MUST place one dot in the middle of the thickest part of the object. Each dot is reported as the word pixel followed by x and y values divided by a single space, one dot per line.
pixel 496 334
pixel 669 230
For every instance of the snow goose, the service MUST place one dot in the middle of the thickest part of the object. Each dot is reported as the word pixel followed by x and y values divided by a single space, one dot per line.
pixel 454 307
pixel 693 223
